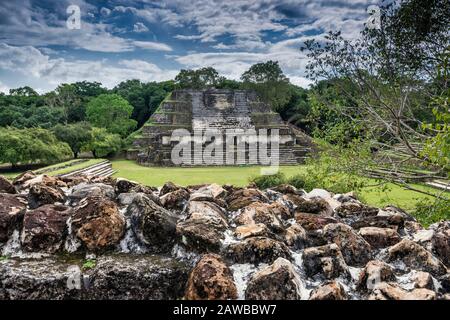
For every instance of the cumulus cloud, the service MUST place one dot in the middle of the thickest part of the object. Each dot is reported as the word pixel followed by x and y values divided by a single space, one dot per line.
pixel 150 45
pixel 140 27
pixel 51 72
pixel 4 88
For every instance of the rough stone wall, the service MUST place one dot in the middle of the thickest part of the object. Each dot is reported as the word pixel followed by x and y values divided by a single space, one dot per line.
pixel 212 109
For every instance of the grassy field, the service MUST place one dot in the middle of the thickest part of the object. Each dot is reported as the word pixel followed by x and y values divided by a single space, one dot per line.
pixel 239 176
pixel 56 169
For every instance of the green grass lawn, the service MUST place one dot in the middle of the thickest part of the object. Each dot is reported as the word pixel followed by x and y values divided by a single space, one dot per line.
pixel 56 169
pixel 239 176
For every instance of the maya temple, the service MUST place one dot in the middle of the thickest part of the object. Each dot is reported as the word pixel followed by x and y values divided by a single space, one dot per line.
pixel 220 110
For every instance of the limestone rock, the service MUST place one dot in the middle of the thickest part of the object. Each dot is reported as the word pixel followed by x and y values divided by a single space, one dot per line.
pixel 41 279
pixel 12 210
pixel 168 187
pixel 137 277
pixel 331 290
pixel 354 248
pixel 296 236
pixel 243 197
pixel 287 189
pixel 211 279
pixel 84 190
pixel 98 223
pixel 44 180
pixel 325 260
pixel 258 212
pixel 44 228
pixel 279 281
pixel 379 237
pixel 41 194
pixel 391 291
pixel 313 222
pixel 22 178
pixel 416 257
pixel 203 230
pixel 252 230
pixel 355 209
pixel 392 222
pixel 316 205
pixel 6 186
pixel 374 272
pixel 212 192
pixel 175 199
pixel 152 224
pixel 423 280
pixel 257 250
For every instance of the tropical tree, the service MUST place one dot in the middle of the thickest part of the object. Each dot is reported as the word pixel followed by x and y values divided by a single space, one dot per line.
pixel 103 143
pixel 198 79
pixel 112 112
pixel 75 135
pixel 269 82
pixel 31 145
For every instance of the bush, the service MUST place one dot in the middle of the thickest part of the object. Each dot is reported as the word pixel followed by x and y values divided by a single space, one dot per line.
pixel 298 181
pixel 264 182
pixel 431 211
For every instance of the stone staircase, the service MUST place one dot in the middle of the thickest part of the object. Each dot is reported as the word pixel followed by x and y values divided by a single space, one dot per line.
pixel 100 170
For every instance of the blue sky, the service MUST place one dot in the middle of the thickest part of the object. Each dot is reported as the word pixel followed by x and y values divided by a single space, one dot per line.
pixel 152 40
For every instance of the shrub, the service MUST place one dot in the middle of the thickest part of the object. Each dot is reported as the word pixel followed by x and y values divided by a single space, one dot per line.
pixel 298 181
pixel 269 181
pixel 431 211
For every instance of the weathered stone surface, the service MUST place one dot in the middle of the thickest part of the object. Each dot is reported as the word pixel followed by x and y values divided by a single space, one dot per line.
pixel 287 189
pixel 296 199
pixel 394 211
pixel 212 192
pixel 295 236
pixel 41 194
pixel 313 222
pixel 211 279
pixel 379 237
pixel 125 199
pixel 40 279
pixel 98 223
pixel 331 290
pixel 392 222
pixel 243 197
pixel 73 180
pixel 44 180
pixel 350 209
pixel 138 277
pixel 203 230
pixel 374 272
pixel 279 281
pixel 354 248
pixel 281 211
pixel 257 250
pixel 252 230
pixel 44 228
pixel 126 186
pixel 12 210
pixel 416 257
pixel 324 260
pixel 258 212
pixel 317 206
pixel 84 190
pixel 153 225
pixel 175 199
pixel 168 187
pixel 22 178
pixel 441 241
pixel 6 186
pixel 391 291
pixel 423 280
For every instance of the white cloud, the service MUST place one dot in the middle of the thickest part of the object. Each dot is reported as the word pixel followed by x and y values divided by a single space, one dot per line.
pixel 4 88
pixel 29 61
pixel 150 45
pixel 140 27
pixel 105 11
